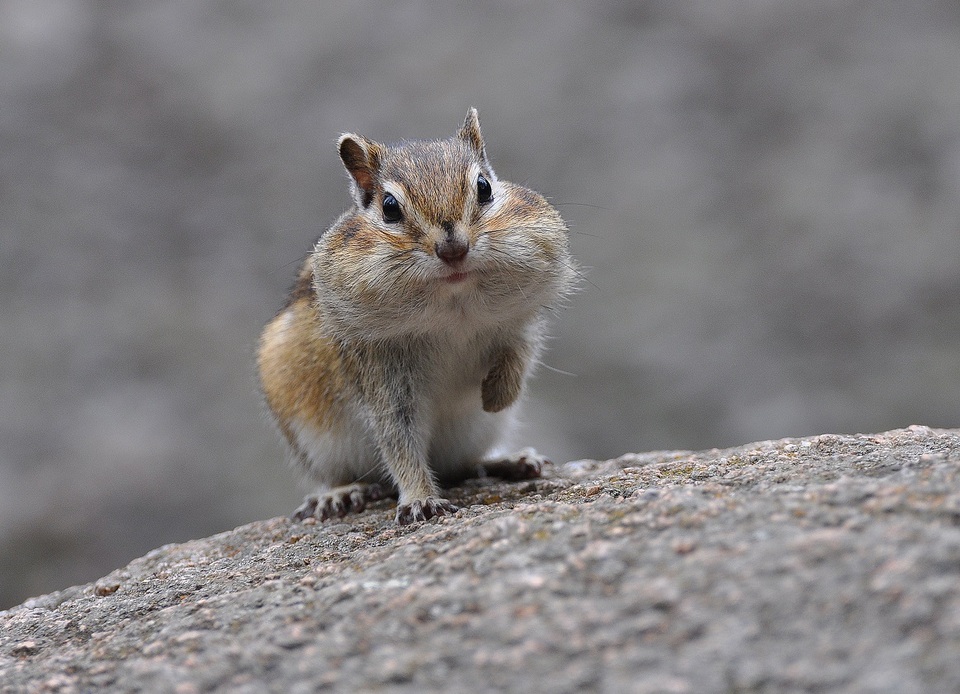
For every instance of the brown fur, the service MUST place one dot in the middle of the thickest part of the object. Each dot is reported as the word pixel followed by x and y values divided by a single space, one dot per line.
pixel 300 370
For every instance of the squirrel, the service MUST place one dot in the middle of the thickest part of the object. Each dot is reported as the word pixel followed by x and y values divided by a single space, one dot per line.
pixel 412 327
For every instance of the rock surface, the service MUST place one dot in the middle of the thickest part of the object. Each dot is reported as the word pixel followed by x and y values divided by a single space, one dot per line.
pixel 829 563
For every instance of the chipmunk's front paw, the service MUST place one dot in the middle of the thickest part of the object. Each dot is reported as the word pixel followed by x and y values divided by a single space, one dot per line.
pixel 338 502
pixel 422 509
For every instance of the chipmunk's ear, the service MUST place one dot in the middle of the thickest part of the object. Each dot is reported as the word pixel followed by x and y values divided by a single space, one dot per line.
pixel 470 133
pixel 362 159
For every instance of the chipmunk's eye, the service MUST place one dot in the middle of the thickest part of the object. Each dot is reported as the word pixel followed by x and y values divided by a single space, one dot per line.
pixel 484 191
pixel 391 209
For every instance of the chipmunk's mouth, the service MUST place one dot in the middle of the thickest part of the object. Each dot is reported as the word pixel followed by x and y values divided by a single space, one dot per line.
pixel 457 277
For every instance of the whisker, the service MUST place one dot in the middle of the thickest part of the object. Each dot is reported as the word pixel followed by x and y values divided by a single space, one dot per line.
pixel 298 261
pixel 580 275
pixel 580 204
pixel 555 370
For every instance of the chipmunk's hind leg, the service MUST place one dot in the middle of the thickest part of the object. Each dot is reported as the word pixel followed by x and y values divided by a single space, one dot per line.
pixel 339 501
pixel 424 509
pixel 522 465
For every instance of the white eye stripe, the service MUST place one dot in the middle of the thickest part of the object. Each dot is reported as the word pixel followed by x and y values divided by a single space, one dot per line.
pixel 476 172
pixel 396 190
pixel 497 201
pixel 473 173
pixel 483 209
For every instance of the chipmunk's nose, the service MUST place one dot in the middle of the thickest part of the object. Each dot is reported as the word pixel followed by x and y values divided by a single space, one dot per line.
pixel 454 245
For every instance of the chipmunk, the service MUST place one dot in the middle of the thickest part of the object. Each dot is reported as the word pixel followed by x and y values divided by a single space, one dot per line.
pixel 413 325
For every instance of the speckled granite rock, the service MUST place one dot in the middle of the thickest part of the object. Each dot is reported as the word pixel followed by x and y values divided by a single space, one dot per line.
pixel 823 564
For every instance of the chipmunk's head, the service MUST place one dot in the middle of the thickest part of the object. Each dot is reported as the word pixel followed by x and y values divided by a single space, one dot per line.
pixel 433 222
pixel 431 193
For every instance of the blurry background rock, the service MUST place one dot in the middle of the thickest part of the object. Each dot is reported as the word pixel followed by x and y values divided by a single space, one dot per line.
pixel 765 197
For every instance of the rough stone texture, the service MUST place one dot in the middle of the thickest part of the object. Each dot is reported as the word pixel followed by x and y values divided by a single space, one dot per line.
pixel 821 564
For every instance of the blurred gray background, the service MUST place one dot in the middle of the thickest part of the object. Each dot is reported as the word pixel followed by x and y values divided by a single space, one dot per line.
pixel 764 196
